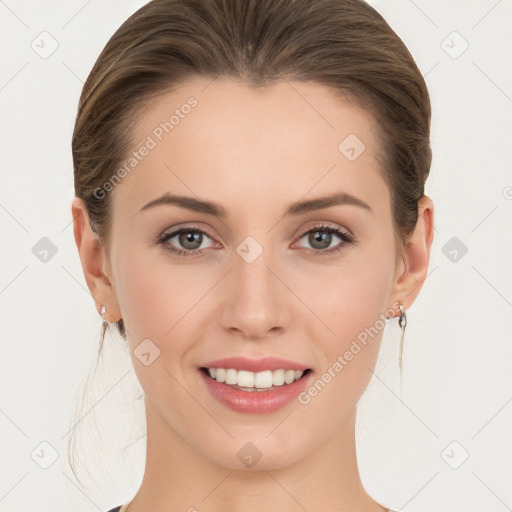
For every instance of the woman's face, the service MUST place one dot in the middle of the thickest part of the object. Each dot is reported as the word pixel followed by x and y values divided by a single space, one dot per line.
pixel 258 281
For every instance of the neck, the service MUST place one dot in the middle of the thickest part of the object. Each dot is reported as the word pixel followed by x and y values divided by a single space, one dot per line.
pixel 177 477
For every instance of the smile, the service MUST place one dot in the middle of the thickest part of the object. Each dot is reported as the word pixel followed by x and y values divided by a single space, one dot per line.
pixel 254 381
pixel 224 386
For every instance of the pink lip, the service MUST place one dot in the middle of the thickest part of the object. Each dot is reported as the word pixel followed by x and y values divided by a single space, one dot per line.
pixel 255 365
pixel 256 402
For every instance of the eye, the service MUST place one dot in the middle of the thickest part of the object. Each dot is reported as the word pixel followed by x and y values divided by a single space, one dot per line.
pixel 320 238
pixel 188 239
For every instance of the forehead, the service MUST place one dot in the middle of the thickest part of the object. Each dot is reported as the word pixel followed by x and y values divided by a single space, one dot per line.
pixel 222 139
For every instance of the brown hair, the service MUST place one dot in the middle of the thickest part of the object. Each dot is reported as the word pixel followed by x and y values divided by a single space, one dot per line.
pixel 345 45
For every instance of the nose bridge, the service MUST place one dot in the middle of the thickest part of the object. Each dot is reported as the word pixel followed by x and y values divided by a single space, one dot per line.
pixel 255 300
pixel 253 278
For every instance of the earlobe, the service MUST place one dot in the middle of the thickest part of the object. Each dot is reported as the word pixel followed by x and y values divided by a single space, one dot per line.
pixel 93 259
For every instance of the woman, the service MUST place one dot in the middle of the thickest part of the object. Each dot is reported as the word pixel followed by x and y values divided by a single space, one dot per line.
pixel 250 209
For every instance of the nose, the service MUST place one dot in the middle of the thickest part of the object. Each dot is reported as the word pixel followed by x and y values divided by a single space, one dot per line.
pixel 255 302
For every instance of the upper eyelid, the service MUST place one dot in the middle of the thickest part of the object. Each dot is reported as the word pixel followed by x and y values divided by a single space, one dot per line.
pixel 349 238
pixel 171 233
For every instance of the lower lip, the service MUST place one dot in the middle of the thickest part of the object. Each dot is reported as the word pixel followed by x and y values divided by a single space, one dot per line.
pixel 256 402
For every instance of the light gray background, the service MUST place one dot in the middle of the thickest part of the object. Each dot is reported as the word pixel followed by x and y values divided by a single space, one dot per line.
pixel 457 387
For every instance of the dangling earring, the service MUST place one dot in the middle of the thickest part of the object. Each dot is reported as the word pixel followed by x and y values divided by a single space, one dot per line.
pixel 402 322
pixel 103 311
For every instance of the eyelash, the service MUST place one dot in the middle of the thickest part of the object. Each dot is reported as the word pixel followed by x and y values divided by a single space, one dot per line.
pixel 345 237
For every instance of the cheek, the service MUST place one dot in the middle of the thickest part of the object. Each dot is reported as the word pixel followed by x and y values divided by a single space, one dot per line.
pixel 352 310
pixel 153 297
pixel 158 301
pixel 164 302
pixel 351 302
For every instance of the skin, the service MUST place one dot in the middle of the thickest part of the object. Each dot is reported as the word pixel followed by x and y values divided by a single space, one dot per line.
pixel 254 152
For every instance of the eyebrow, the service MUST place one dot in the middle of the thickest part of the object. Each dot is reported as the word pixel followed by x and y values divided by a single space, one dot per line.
pixel 297 208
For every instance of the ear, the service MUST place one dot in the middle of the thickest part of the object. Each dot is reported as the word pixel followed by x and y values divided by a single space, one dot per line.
pixel 407 286
pixel 94 262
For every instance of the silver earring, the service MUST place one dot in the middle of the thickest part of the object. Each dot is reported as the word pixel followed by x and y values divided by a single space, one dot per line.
pixel 103 311
pixel 402 322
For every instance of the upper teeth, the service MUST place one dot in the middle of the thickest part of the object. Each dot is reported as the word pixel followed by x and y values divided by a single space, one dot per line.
pixel 265 379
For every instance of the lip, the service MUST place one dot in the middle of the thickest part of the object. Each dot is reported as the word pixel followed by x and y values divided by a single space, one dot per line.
pixel 255 365
pixel 255 402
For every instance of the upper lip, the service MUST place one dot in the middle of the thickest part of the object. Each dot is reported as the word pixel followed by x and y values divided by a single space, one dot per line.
pixel 255 365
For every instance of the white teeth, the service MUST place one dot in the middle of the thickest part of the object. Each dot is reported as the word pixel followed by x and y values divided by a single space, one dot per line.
pixel 289 376
pixel 231 376
pixel 278 377
pixel 244 379
pixel 259 380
